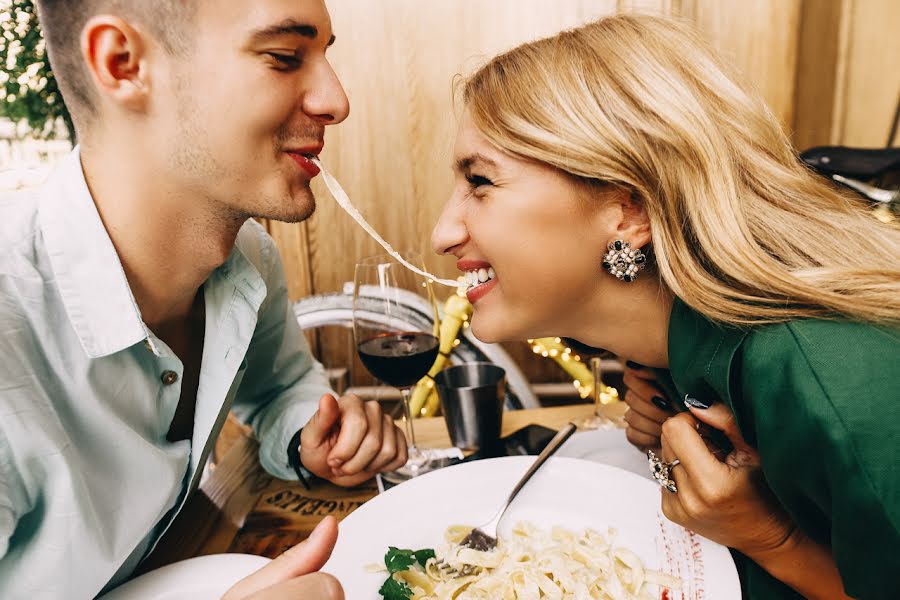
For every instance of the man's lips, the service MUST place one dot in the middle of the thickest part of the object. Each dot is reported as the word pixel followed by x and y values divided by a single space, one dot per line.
pixel 303 159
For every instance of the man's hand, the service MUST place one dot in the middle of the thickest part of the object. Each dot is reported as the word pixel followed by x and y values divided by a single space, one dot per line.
pixel 294 574
pixel 348 441
pixel 648 408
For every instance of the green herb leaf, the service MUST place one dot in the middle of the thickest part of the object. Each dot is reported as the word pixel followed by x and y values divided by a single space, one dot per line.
pixel 398 559
pixel 395 590
pixel 423 555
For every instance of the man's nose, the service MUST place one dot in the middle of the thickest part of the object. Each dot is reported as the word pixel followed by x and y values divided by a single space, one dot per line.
pixel 326 100
pixel 450 230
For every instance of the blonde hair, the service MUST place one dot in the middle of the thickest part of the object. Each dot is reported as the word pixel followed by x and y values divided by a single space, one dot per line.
pixel 741 231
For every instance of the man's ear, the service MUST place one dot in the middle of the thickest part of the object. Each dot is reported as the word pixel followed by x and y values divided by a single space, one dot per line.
pixel 113 52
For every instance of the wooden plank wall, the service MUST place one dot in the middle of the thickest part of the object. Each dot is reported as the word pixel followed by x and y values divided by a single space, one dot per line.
pixel 828 68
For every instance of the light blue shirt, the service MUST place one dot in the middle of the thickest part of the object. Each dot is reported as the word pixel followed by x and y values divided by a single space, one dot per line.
pixel 88 480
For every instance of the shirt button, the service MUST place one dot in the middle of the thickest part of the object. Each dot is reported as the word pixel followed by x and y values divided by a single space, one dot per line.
pixel 169 377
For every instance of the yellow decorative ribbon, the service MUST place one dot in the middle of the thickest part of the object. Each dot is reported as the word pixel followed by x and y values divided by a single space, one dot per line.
pixel 424 401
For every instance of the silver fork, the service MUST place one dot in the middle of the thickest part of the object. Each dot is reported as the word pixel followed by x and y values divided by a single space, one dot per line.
pixel 484 537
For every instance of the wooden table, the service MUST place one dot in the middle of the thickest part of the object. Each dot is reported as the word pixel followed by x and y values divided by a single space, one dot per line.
pixel 241 508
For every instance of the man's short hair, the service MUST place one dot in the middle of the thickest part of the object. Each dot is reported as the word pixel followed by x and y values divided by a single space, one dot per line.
pixel 63 20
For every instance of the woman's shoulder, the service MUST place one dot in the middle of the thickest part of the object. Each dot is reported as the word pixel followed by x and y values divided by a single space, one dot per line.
pixel 840 364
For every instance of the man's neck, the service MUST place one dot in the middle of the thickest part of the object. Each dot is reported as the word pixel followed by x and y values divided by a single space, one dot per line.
pixel 167 240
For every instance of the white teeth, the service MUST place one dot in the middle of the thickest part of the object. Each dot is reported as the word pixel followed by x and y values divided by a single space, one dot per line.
pixel 479 276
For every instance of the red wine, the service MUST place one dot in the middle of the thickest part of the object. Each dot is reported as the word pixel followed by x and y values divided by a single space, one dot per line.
pixel 399 358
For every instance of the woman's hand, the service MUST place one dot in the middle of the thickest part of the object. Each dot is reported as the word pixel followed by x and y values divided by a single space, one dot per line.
pixel 648 408
pixel 728 502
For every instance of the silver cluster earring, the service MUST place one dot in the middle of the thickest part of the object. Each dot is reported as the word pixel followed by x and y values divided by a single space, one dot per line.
pixel 623 262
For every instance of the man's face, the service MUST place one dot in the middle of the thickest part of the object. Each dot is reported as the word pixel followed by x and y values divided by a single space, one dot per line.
pixel 254 94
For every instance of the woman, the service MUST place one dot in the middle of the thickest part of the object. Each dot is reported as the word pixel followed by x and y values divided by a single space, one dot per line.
pixel 615 185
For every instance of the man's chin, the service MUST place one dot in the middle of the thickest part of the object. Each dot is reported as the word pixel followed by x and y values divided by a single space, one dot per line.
pixel 296 208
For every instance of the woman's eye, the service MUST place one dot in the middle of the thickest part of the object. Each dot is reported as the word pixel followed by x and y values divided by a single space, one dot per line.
pixel 478 180
pixel 285 61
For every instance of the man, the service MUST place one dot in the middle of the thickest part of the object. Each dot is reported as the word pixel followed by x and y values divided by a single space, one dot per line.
pixel 138 300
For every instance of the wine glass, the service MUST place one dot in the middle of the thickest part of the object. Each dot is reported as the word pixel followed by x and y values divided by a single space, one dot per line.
pixel 396 330
pixel 599 419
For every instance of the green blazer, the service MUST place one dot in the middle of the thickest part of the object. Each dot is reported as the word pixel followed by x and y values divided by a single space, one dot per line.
pixel 820 400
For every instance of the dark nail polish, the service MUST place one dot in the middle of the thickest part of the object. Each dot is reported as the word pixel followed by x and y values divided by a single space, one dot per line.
pixel 692 402
pixel 661 403
pixel 633 365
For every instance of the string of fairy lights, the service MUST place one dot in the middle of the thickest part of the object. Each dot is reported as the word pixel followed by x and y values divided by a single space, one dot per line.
pixel 571 363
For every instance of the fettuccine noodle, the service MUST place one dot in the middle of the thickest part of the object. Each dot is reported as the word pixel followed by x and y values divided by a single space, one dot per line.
pixel 534 564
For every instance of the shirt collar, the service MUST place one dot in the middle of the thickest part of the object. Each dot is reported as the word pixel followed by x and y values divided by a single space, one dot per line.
pixel 88 273
pixel 701 352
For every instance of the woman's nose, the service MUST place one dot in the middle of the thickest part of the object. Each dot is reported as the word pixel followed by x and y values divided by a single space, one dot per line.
pixel 450 230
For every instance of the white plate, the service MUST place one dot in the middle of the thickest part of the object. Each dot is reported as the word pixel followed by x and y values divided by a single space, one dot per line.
pixel 569 492
pixel 200 578
pixel 607 446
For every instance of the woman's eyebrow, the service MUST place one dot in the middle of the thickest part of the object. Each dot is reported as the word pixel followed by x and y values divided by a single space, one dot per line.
pixel 467 162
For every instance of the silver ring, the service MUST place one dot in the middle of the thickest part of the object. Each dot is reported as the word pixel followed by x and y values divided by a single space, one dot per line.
pixel 661 471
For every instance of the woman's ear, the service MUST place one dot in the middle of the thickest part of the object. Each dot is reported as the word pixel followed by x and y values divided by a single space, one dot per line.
pixel 622 215
pixel 634 224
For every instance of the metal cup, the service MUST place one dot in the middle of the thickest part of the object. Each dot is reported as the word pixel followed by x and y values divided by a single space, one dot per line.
pixel 472 397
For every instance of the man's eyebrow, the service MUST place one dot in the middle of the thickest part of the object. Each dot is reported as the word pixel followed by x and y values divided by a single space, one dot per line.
pixel 288 27
pixel 466 162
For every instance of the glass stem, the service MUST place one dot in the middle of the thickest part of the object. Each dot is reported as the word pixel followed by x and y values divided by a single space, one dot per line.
pixel 597 376
pixel 407 418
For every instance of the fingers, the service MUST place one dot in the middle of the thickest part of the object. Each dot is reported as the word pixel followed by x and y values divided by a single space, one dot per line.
pixel 681 440
pixel 388 451
pixel 645 415
pixel 370 445
pixel 720 417
pixel 641 440
pixel 354 424
pixel 320 425
pixel 402 453
pixel 639 371
pixel 641 423
pixel 640 397
pixel 320 586
pixel 306 557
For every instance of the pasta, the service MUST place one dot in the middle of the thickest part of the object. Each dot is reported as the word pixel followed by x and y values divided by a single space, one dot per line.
pixel 531 564
pixel 343 201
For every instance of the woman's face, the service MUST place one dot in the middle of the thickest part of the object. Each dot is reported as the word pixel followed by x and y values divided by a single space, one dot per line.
pixel 534 230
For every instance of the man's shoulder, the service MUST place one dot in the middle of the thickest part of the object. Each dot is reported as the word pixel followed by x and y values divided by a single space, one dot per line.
pixel 19 225
pixel 23 269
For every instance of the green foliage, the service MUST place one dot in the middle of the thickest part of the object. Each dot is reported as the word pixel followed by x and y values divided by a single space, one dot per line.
pixel 395 590
pixel 28 89
pixel 399 559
